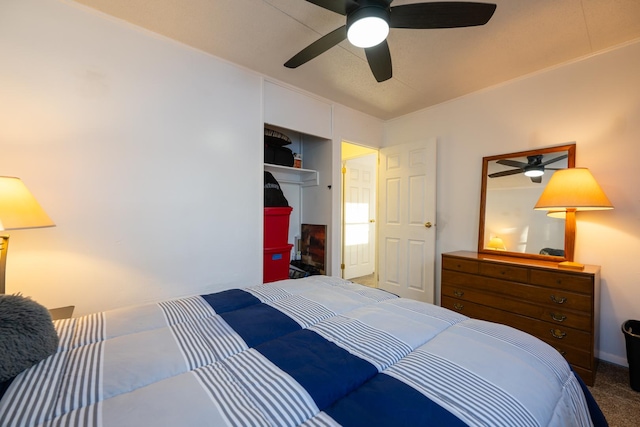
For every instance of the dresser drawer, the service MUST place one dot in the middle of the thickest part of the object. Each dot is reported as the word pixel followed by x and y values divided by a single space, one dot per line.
pixel 505 271
pixel 564 281
pixel 458 264
pixel 551 333
pixel 573 355
pixel 555 315
pixel 462 279
pixel 556 299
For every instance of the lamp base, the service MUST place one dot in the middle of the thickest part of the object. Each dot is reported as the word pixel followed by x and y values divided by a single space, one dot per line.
pixel 570 265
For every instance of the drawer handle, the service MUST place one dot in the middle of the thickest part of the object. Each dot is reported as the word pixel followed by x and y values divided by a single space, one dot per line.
pixel 458 293
pixel 562 352
pixel 458 306
pixel 557 333
pixel 557 300
pixel 558 317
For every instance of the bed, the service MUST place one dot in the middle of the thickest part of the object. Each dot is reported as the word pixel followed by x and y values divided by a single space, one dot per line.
pixel 318 351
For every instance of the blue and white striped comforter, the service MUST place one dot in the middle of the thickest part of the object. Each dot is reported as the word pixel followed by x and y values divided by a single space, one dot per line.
pixel 318 351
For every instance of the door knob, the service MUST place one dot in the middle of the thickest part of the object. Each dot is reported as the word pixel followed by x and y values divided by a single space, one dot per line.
pixel 428 224
pixel 372 220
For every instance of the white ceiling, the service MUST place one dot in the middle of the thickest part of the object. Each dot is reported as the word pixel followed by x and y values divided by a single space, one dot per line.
pixel 429 66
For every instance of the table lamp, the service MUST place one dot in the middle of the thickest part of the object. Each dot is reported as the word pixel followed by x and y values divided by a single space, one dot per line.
pixel 497 244
pixel 570 191
pixel 18 210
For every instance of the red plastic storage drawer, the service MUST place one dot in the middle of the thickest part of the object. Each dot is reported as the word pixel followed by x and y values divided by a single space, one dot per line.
pixel 276 263
pixel 276 226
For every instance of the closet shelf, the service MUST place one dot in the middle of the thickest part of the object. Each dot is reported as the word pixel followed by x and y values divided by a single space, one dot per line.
pixel 288 175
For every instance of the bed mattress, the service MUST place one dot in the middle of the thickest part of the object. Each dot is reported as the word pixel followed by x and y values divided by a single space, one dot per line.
pixel 317 351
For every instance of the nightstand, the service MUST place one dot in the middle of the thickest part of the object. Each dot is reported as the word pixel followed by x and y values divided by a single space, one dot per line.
pixel 61 312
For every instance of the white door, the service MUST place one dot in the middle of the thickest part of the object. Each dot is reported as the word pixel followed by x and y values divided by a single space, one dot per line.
pixel 359 216
pixel 406 220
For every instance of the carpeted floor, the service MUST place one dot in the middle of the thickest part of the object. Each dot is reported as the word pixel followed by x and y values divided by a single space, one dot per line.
pixel 620 404
pixel 365 280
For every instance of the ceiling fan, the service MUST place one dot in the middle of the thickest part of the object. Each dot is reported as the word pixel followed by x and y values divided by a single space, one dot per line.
pixel 534 168
pixel 368 23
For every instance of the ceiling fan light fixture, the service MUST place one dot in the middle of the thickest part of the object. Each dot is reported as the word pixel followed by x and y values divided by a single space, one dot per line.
pixel 368 26
pixel 369 21
pixel 534 172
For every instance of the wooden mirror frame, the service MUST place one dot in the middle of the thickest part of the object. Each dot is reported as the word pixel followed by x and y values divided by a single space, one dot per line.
pixel 570 224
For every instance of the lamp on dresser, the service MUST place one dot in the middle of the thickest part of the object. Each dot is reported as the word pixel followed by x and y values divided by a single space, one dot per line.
pixel 569 191
pixel 18 210
pixel 496 244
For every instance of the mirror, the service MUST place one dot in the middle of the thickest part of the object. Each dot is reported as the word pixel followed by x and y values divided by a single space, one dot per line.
pixel 508 223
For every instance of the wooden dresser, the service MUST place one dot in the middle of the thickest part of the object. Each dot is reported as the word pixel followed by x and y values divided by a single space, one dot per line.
pixel 561 307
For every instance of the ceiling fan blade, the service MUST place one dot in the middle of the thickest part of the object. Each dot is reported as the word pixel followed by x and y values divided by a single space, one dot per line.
pixel 505 173
pixel 536 179
pixel 440 15
pixel 318 47
pixel 338 6
pixel 512 163
pixel 554 160
pixel 379 59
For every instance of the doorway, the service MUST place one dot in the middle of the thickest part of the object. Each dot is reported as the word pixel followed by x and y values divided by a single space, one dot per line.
pixel 359 206
pixel 388 217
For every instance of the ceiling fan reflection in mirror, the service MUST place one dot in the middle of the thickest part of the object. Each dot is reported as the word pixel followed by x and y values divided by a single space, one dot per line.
pixel 534 168
pixel 368 23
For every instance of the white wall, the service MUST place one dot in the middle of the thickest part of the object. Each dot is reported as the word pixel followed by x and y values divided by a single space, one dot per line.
pixel 595 102
pixel 144 152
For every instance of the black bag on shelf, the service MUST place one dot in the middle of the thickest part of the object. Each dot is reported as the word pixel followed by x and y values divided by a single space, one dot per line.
pixel 274 138
pixel 275 151
pixel 273 195
pixel 276 155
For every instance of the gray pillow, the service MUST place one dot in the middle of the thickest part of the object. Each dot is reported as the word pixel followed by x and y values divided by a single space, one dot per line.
pixel 27 334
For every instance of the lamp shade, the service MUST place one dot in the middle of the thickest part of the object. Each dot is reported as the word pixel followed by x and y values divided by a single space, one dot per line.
pixel 497 244
pixel 18 208
pixel 575 189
